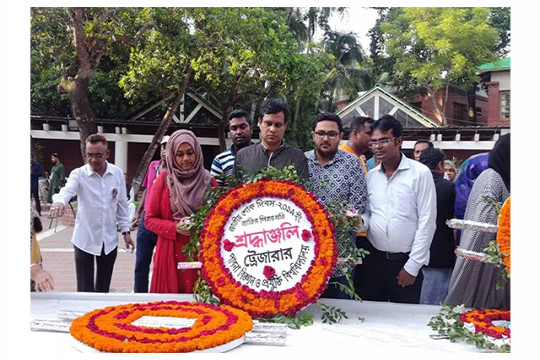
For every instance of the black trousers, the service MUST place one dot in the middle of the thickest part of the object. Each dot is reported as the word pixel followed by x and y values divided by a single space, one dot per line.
pixel 34 193
pixel 378 279
pixel 84 267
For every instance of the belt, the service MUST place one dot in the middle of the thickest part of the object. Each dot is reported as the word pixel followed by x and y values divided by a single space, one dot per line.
pixel 393 256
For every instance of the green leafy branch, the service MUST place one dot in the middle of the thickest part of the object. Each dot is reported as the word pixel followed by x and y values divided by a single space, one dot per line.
pixel 447 324
pixel 294 322
pixel 494 256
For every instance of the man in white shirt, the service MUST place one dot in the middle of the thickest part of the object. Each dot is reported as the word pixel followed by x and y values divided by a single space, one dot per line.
pixel 402 208
pixel 102 203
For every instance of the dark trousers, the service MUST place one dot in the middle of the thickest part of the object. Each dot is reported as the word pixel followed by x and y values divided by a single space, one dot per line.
pixel 378 280
pixel 333 291
pixel 34 193
pixel 146 242
pixel 84 267
pixel 358 270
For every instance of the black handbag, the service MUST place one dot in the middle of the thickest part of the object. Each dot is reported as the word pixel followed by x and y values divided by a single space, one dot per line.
pixel 38 226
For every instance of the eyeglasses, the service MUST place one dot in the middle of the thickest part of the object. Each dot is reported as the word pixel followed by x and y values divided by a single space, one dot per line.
pixel 381 142
pixel 331 135
pixel 97 156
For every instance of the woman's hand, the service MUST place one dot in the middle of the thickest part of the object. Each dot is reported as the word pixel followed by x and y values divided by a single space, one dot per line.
pixel 42 279
pixel 184 226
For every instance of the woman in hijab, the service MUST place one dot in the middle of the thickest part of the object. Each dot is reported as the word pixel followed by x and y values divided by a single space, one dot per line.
pixel 177 193
pixel 474 283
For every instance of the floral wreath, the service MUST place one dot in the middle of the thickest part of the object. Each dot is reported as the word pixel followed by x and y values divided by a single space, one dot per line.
pixel 111 330
pixel 503 233
pixel 263 303
pixel 483 322
pixel 473 326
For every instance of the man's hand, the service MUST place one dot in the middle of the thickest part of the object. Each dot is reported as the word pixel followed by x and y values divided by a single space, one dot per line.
pixel 404 278
pixel 136 219
pixel 129 242
pixel 57 210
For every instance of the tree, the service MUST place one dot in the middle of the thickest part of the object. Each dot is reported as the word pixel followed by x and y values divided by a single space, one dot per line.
pixel 75 40
pixel 222 53
pixel 435 47
pixel 346 74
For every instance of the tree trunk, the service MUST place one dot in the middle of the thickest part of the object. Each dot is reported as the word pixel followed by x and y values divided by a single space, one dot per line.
pixel 82 112
pixel 432 94
pixel 156 140
pixel 297 110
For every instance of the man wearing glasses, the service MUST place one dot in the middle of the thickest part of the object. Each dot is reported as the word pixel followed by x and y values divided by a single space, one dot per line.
pixel 402 205
pixel 336 176
pixel 102 203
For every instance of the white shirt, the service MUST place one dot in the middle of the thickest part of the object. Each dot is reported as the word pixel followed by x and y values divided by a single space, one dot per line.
pixel 101 203
pixel 403 211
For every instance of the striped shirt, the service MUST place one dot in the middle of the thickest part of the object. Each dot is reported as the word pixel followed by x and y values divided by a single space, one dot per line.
pixel 223 164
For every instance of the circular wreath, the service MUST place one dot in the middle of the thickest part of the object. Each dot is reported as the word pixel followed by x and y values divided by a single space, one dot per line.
pixel 503 234
pixel 483 322
pixel 111 329
pixel 268 303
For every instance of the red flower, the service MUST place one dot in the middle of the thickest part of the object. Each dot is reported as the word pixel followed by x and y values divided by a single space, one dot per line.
pixel 269 272
pixel 227 245
pixel 306 235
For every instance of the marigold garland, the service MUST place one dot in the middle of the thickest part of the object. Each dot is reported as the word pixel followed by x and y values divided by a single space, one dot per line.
pixel 268 303
pixel 482 319
pixel 110 329
pixel 503 234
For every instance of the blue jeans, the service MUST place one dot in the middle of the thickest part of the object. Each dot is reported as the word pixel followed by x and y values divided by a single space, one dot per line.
pixel 146 241
pixel 435 285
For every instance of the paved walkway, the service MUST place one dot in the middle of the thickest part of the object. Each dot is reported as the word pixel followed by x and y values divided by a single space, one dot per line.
pixel 57 253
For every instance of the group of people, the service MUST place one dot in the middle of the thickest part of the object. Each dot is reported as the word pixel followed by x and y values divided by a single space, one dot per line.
pixel 43 184
pixel 404 204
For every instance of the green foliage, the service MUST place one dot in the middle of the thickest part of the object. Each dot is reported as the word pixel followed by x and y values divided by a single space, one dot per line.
pixel 426 49
pixel 494 256
pixel 448 325
pixel 331 314
pixel 294 322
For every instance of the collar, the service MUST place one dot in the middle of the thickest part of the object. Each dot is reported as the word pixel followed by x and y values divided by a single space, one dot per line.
pixel 279 148
pixel 89 170
pixel 404 164
pixel 339 156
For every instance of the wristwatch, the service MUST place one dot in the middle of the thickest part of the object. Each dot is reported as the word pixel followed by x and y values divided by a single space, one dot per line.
pixel 125 232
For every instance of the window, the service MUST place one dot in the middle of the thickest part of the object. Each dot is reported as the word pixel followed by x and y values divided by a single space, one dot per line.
pixel 505 105
pixel 460 112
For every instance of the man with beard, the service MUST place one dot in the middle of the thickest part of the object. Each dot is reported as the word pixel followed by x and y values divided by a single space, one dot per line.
pixel 240 131
pixel 336 176
pixel 57 174
pixel 402 204
pixel 102 204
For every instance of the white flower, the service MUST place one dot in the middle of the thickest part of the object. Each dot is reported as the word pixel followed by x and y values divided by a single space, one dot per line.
pixel 351 213
pixel 460 309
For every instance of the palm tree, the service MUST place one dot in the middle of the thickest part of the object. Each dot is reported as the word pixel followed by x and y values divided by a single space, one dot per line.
pixel 347 73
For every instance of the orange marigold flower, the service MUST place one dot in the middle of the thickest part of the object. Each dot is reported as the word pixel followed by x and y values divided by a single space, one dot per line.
pixel 503 234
